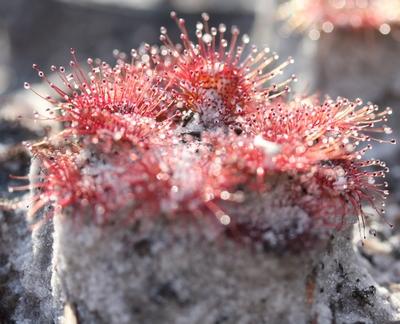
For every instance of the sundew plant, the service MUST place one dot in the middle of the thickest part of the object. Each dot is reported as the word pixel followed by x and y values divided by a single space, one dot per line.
pixel 316 16
pixel 202 128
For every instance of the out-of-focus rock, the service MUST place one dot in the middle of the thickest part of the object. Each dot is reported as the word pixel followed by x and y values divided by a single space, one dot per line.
pixel 358 64
pixel 269 31
pixel 171 272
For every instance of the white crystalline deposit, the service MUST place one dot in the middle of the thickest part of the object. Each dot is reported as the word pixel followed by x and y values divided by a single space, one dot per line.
pixel 346 292
pixel 164 271
pixel 25 270
pixel 172 272
pixel 194 270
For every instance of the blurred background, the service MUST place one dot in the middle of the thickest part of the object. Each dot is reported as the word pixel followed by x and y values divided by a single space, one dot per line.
pixel 43 31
